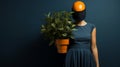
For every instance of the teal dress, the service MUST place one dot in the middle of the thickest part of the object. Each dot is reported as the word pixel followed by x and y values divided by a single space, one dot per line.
pixel 79 53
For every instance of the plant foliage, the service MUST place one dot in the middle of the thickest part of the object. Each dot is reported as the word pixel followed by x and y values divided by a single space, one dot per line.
pixel 59 25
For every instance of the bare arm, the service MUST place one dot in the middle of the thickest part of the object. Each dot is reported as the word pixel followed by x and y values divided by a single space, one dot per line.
pixel 94 47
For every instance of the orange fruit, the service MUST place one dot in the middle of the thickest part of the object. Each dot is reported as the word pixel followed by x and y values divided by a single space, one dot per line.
pixel 78 6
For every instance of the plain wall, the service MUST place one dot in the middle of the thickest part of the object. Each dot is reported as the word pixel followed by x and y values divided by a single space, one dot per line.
pixel 22 45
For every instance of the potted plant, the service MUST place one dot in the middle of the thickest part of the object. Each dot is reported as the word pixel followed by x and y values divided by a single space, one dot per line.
pixel 58 29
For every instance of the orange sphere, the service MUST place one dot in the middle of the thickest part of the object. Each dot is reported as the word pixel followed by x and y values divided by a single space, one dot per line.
pixel 78 6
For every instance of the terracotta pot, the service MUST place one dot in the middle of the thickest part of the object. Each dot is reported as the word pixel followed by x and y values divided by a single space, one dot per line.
pixel 62 45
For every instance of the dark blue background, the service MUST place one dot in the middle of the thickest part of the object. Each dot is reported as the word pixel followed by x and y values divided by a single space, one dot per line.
pixel 22 45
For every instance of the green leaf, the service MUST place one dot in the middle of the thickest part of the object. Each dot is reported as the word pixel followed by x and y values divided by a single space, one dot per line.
pixel 65 34
pixel 43 30
pixel 53 25
pixel 48 15
pixel 60 28
pixel 42 26
pixel 73 25
pixel 74 29
pixel 68 28
pixel 69 22
pixel 51 42
pixel 72 37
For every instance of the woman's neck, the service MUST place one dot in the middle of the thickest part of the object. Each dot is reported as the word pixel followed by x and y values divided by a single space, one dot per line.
pixel 81 23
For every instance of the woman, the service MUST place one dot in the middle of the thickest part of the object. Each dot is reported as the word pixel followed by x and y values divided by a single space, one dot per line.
pixel 83 49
